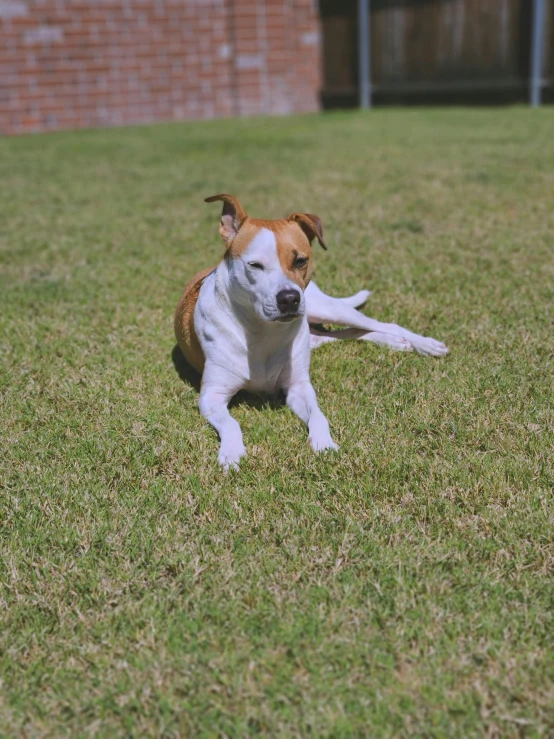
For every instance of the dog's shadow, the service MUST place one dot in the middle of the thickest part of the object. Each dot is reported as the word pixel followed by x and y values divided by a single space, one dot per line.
pixel 192 378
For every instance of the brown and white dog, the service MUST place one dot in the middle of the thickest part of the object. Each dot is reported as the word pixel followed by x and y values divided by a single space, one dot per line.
pixel 250 322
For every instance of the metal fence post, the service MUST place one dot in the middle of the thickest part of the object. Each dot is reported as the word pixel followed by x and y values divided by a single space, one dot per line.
pixel 364 59
pixel 536 53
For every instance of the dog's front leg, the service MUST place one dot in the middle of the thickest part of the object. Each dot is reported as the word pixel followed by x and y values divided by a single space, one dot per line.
pixel 301 399
pixel 213 406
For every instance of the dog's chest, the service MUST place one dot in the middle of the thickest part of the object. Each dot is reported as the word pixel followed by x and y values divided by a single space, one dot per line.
pixel 259 354
pixel 264 372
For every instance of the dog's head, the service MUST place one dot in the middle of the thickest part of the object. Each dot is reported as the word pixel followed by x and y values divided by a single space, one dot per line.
pixel 269 262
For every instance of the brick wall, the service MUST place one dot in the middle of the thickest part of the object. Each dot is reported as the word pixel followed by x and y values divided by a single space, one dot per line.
pixel 87 63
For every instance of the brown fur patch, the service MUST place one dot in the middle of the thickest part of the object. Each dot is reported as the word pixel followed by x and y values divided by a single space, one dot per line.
pixel 184 321
pixel 292 244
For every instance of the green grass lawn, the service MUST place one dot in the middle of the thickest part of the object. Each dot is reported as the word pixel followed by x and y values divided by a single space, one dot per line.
pixel 404 585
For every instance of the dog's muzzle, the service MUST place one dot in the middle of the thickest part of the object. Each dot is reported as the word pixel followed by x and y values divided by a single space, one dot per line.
pixel 288 302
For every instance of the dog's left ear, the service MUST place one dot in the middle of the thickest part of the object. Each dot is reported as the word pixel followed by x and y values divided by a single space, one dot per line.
pixel 311 225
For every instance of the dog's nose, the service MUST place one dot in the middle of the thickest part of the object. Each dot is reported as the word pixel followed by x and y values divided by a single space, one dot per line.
pixel 288 300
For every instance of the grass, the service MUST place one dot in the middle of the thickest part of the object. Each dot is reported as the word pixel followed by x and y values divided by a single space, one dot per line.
pixel 403 586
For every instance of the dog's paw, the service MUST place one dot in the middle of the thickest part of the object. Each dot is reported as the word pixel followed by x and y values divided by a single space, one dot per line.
pixel 429 347
pixel 322 442
pixel 230 455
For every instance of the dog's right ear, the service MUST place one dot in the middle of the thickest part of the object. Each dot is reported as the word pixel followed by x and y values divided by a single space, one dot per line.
pixel 232 217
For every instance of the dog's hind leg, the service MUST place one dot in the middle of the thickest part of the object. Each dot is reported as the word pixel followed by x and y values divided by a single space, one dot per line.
pixel 357 300
pixel 321 308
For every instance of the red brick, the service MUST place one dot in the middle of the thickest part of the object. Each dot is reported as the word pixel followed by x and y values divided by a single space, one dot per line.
pixel 128 62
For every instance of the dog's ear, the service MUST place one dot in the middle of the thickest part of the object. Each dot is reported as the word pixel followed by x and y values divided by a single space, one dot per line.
pixel 232 217
pixel 311 225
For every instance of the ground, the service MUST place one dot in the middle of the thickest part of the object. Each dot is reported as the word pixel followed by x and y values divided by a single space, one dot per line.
pixel 403 585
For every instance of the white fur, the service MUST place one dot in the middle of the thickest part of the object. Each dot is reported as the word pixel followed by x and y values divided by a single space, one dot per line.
pixel 322 308
pixel 246 346
pixel 250 286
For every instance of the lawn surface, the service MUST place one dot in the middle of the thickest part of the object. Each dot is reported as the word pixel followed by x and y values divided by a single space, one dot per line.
pixel 403 585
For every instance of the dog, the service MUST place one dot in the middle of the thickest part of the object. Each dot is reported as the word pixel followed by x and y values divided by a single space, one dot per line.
pixel 250 322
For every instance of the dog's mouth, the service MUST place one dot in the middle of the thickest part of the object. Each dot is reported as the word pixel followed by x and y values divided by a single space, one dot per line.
pixel 287 318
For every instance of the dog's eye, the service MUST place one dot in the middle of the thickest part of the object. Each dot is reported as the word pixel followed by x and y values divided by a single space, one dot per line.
pixel 255 265
pixel 300 262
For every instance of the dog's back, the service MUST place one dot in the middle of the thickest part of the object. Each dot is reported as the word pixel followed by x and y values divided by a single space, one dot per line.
pixel 184 321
